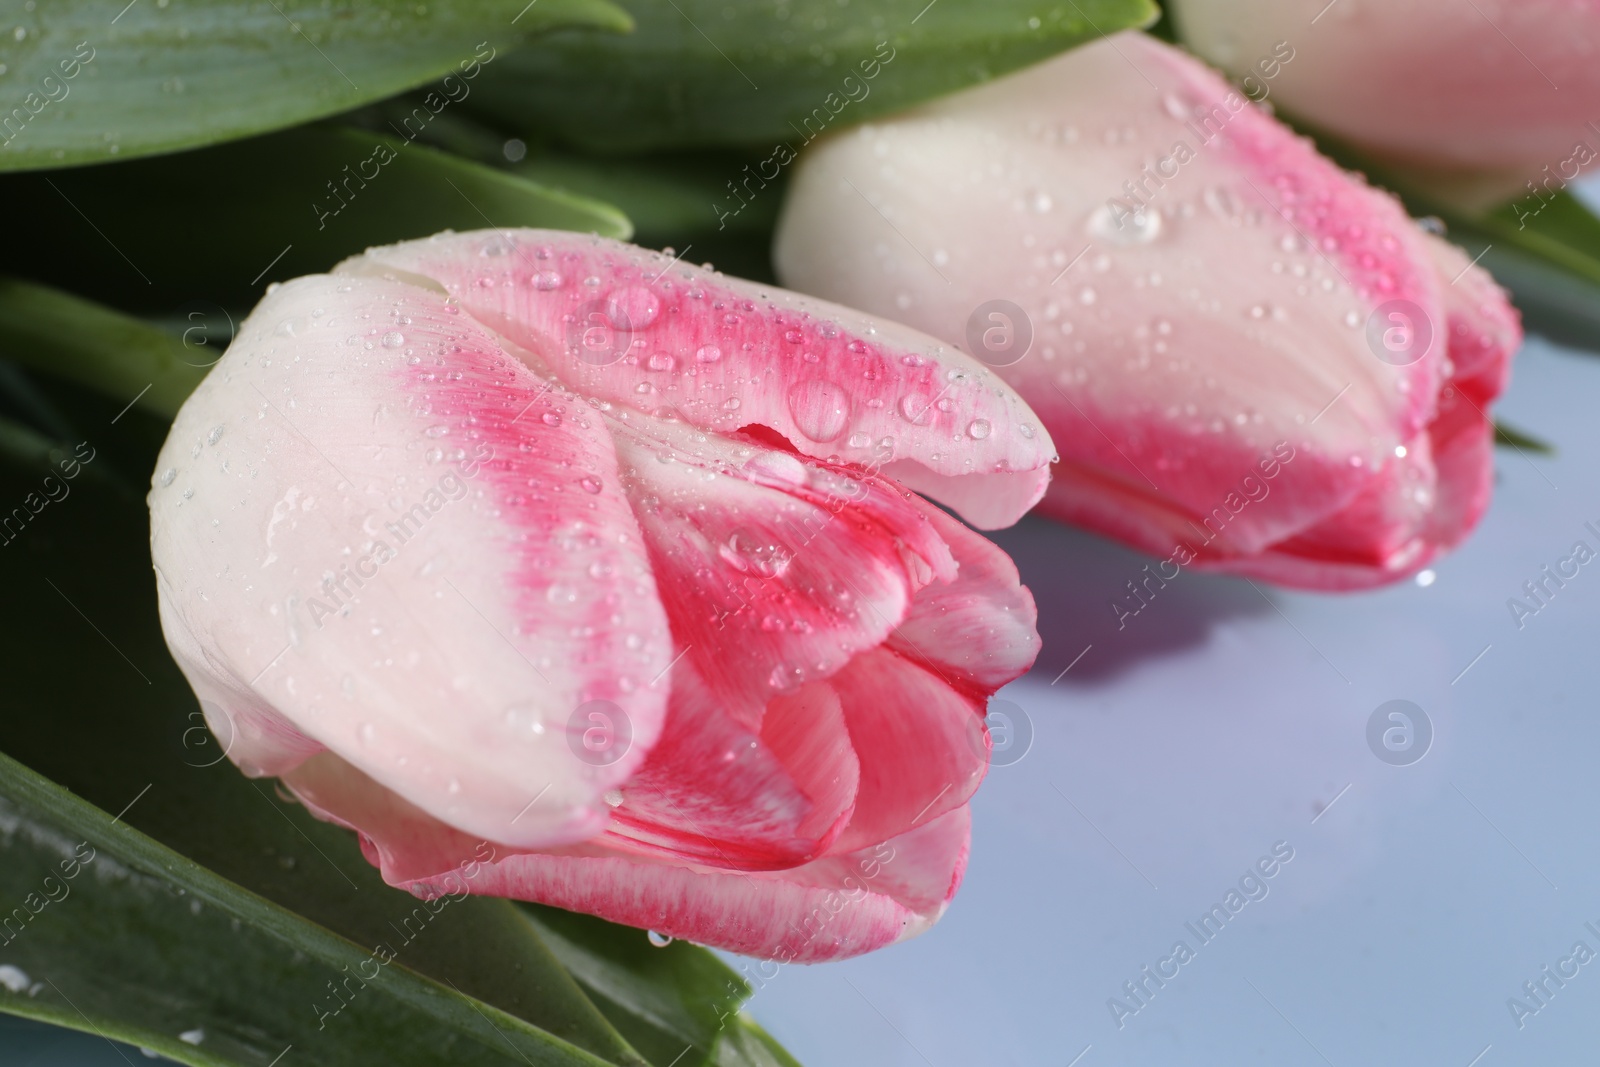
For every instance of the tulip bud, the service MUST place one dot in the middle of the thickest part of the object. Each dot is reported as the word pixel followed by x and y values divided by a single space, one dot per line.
pixel 567 572
pixel 1249 360
pixel 1488 95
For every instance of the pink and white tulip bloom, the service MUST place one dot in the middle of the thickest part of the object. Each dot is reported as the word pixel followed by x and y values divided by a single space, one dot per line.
pixel 1493 94
pixel 566 572
pixel 1249 360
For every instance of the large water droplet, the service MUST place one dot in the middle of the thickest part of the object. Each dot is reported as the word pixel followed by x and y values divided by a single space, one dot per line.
pixel 1119 224
pixel 393 339
pixel 708 353
pixel 820 409
pixel 546 280
pixel 590 483
pixel 978 429
pixel 659 940
pixel 13 979
pixel 633 308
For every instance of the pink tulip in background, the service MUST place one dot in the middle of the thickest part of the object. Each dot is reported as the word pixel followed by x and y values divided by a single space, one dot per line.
pixel 566 572
pixel 1249 360
pixel 1499 97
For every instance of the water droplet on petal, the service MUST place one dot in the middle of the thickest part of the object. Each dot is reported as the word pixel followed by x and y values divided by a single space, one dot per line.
pixel 659 940
pixel 1117 224
pixel 978 429
pixel 820 409
pixel 546 280
pixel 708 353
pixel 633 308
pixel 590 483
pixel 393 339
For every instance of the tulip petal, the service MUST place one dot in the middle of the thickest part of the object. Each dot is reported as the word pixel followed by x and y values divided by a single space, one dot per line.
pixel 645 332
pixel 921 743
pixel 712 792
pixel 1205 297
pixel 380 524
pixel 1432 498
pixel 800 565
pixel 838 906
pixel 1507 88
pixel 978 631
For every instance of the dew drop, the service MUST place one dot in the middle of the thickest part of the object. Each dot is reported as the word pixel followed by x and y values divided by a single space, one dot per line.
pixel 978 429
pixel 590 483
pixel 634 307
pixel 167 476
pixel 1119 226
pixel 820 409
pixel 659 940
pixel 708 353
pixel 546 280
pixel 393 339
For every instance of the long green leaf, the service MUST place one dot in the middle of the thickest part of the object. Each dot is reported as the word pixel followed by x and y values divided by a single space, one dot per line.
pixel 109 932
pixel 711 72
pixel 87 84
pixel 672 1002
pixel 220 224
pixel 95 346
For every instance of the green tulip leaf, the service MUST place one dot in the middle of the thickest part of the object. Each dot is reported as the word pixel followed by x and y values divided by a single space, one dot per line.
pixel 86 83
pixel 710 72
pixel 217 226
pixel 107 931
pixel 673 1002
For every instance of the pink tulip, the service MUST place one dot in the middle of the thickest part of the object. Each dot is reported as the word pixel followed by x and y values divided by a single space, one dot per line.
pixel 566 572
pixel 1495 94
pixel 1250 361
